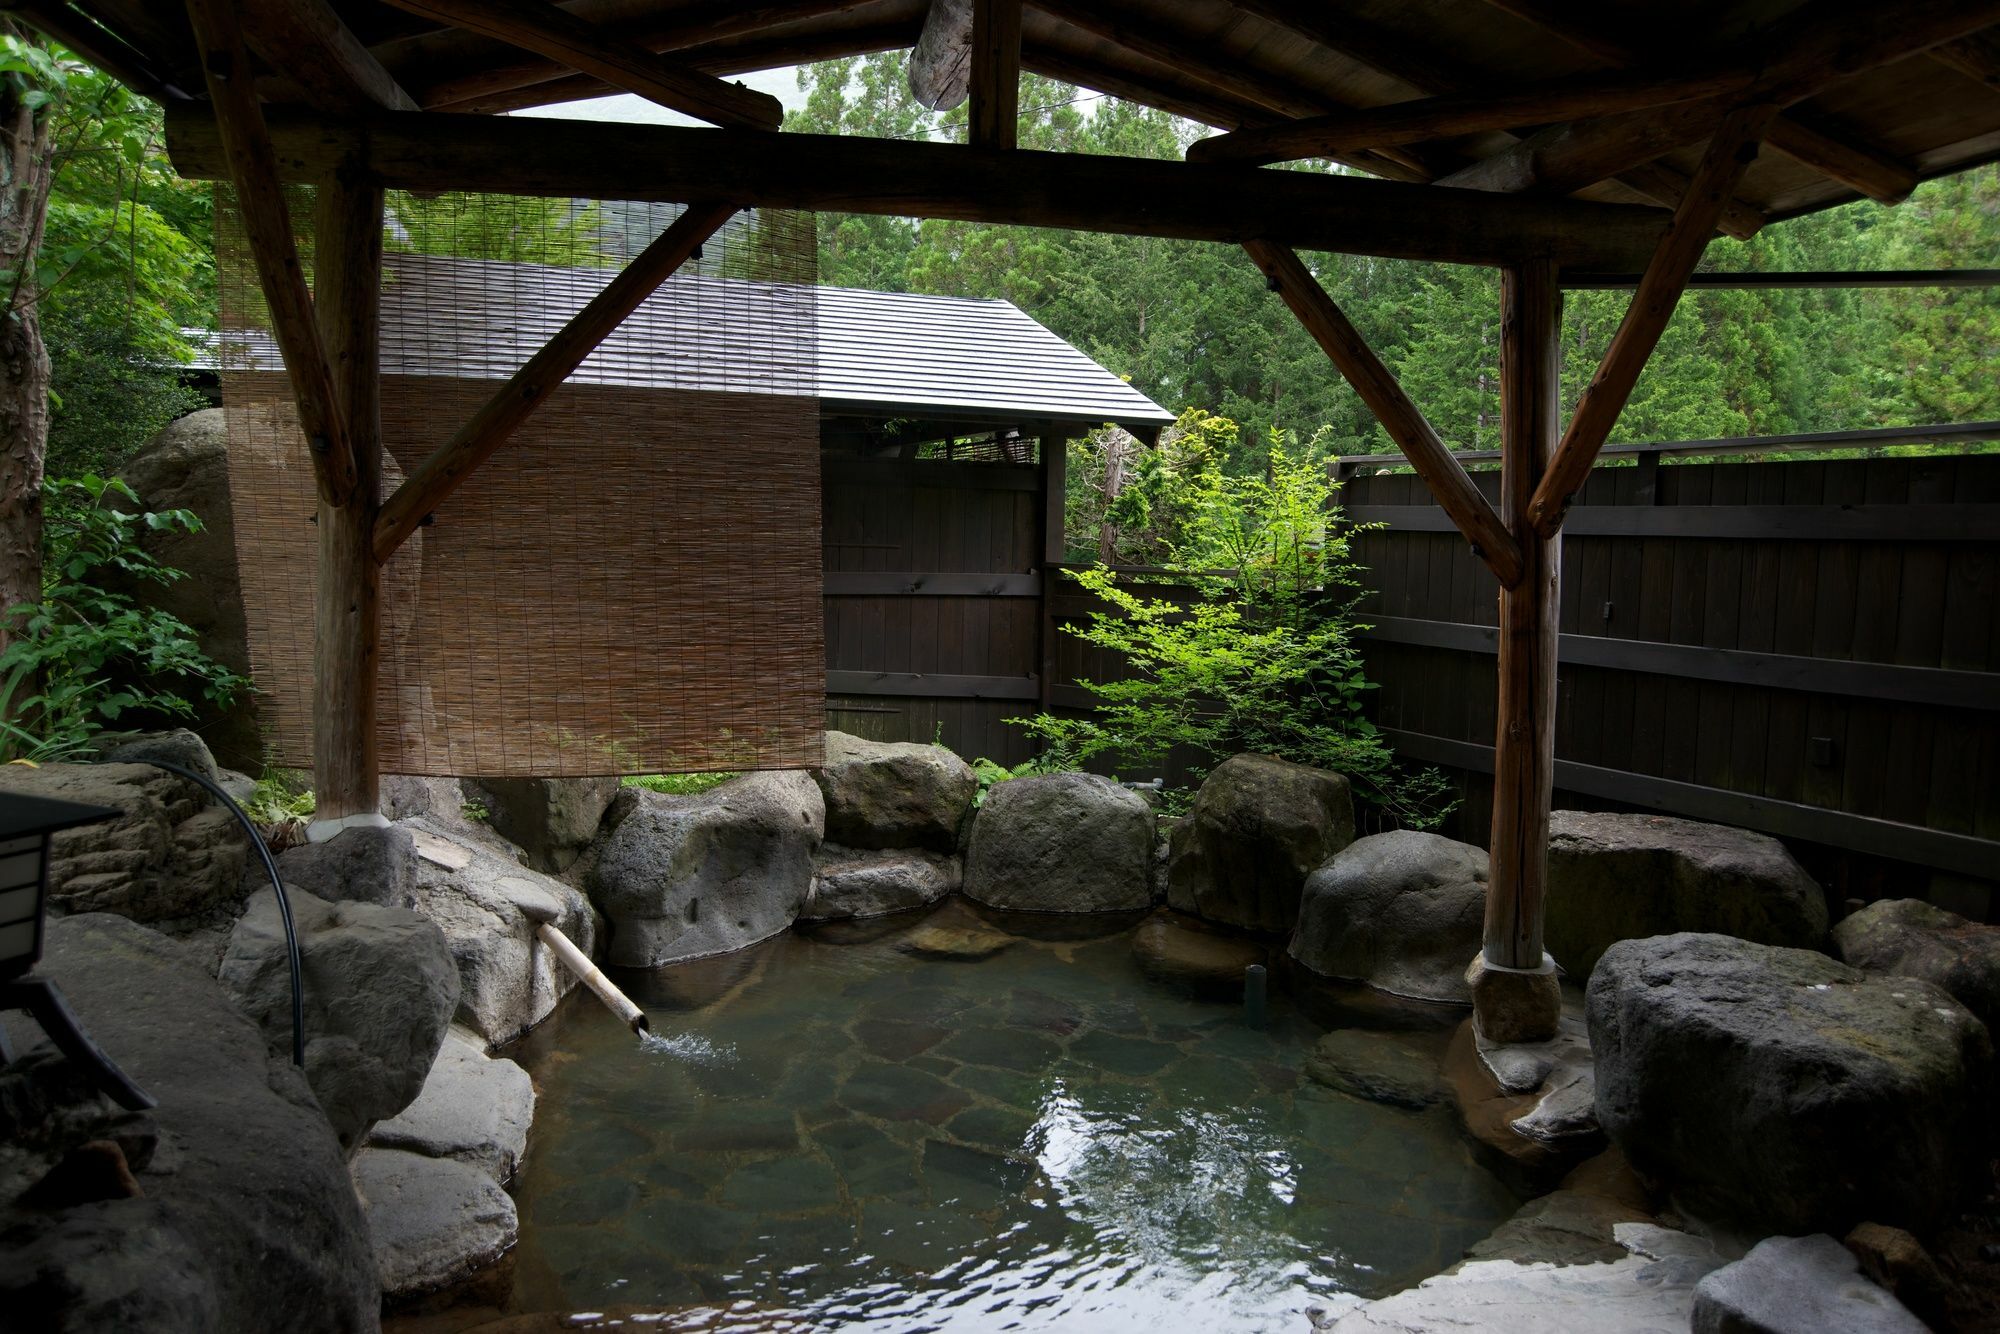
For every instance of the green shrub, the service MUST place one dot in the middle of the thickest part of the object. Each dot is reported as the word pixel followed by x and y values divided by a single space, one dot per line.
pixel 1264 659
pixel 56 690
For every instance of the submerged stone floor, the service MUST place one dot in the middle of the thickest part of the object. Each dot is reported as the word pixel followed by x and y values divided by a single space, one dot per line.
pixel 1039 1138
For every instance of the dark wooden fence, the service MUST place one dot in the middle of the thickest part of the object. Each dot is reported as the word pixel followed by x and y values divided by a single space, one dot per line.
pixel 934 615
pixel 1804 647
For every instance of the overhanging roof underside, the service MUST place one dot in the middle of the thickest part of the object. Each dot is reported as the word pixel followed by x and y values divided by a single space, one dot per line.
pixel 885 352
pixel 1229 64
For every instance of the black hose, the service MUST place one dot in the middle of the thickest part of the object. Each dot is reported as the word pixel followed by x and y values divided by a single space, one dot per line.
pixel 277 888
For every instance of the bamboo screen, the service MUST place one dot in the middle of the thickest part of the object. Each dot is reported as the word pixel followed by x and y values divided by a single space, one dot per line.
pixel 632 583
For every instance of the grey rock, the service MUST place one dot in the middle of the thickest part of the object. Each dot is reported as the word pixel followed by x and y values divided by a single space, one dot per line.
pixel 247 1220
pixel 859 882
pixel 178 746
pixel 1910 938
pixel 1375 1066
pixel 552 820
pixel 894 794
pixel 172 858
pixel 474 1107
pixel 186 466
pixel 1780 1090
pixel 410 796
pixel 1403 912
pixel 488 910
pixel 1559 1075
pixel 379 989
pixel 684 877
pixel 1797 1285
pixel 1170 950
pixel 1624 877
pixel 358 865
pixel 435 1221
pixel 240 786
pixel 1258 827
pixel 1061 843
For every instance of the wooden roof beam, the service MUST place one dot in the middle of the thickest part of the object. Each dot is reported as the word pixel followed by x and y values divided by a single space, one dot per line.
pixel 74 31
pixel 434 480
pixel 1976 56
pixel 1422 67
pixel 940 66
pixel 1443 475
pixel 1729 155
pixel 444 68
pixel 1129 196
pixel 1840 158
pixel 995 116
pixel 1446 117
pixel 555 33
pixel 308 42
pixel 247 160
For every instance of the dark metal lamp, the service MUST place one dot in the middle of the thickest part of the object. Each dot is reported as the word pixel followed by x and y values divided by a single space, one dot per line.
pixel 26 825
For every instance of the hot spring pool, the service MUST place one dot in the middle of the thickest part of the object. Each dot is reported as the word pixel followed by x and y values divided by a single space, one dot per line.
pixel 840 1134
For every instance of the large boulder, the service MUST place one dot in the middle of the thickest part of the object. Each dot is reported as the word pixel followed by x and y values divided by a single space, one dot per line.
pixel 684 877
pixel 1624 877
pixel 474 1108
pixel 861 882
pixel 1061 843
pixel 435 1221
pixel 186 466
pixel 1258 827
pixel 363 864
pixel 1781 1090
pixel 894 794
pixel 552 820
pixel 1402 912
pixel 1797 1285
pixel 173 858
pixel 1910 938
pixel 379 988
pixel 488 905
pixel 244 1217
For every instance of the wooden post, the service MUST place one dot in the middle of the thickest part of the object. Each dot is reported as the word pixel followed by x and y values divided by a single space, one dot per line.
pixel 1055 491
pixel 1515 995
pixel 347 617
pixel 996 74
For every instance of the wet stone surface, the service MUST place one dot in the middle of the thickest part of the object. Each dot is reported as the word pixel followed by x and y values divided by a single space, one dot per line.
pixel 1041 1138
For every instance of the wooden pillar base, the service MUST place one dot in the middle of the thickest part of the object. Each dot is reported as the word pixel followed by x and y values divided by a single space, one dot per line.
pixel 1512 1005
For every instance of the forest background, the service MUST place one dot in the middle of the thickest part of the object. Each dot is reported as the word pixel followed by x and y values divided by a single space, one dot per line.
pixel 1189 324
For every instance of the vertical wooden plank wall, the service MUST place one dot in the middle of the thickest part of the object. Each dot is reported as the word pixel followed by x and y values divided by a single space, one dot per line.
pixel 1916 749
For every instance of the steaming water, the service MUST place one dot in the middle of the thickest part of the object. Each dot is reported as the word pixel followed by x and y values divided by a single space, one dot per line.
pixel 826 1136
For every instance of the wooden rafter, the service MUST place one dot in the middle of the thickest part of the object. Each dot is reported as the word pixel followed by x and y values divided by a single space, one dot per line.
pixel 73 31
pixel 250 164
pixel 996 73
pixel 1825 47
pixel 1976 57
pixel 1126 196
pixel 1444 117
pixel 307 40
pixel 555 33
pixel 451 463
pixel 1729 155
pixel 1343 344
pixel 450 66
pixel 1426 68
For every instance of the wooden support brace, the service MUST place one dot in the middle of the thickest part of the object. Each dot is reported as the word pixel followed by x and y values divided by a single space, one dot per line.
pixel 1443 474
pixel 576 42
pixel 1729 155
pixel 1524 741
pixel 252 167
pixel 447 468
pixel 347 602
pixel 308 41
pixel 996 73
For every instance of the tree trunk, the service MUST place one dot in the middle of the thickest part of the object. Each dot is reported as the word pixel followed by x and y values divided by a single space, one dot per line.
pixel 25 177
